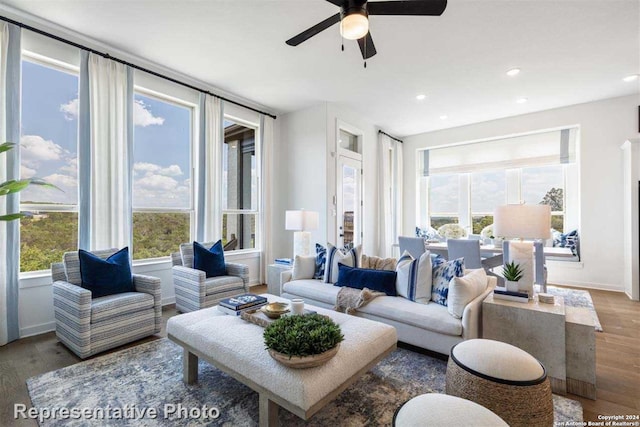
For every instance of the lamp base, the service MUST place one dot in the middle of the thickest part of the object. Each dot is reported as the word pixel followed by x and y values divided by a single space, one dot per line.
pixel 301 243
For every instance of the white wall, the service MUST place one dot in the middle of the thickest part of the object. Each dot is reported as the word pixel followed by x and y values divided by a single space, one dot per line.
pixel 306 172
pixel 604 126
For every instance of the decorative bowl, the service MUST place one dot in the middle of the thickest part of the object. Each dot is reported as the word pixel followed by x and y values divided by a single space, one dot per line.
pixel 275 309
pixel 297 362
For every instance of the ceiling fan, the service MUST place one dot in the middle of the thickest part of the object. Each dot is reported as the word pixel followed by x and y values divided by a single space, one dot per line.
pixel 354 19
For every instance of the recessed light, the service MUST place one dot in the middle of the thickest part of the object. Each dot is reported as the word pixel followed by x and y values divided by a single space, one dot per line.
pixel 444 117
pixel 631 78
pixel 513 72
pixel 421 97
pixel 521 100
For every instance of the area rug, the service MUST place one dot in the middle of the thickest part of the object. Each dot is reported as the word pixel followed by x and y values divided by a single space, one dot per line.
pixel 150 376
pixel 577 298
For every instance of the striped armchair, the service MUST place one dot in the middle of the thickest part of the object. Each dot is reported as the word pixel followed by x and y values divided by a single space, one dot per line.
pixel 87 325
pixel 194 291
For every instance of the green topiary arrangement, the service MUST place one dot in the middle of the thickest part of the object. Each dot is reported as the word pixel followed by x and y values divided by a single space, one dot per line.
pixel 302 336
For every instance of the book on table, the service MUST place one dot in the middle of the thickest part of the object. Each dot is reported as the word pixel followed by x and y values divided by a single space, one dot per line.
pixel 233 312
pixel 511 296
pixel 284 261
pixel 240 302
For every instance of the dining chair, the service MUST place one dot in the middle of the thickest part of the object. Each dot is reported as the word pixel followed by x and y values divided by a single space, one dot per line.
pixel 467 249
pixel 413 245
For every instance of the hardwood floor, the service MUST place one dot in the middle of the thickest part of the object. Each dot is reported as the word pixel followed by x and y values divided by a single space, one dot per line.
pixel 617 360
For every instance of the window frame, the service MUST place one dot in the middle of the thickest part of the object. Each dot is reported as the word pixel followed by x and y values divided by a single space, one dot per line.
pixel 191 210
pixel 74 70
pixel 258 211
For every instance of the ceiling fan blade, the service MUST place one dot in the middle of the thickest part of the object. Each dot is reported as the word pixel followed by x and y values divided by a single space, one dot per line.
pixel 338 3
pixel 407 7
pixel 367 47
pixel 307 34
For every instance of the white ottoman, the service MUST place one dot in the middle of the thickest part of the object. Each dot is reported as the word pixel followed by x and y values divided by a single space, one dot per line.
pixel 503 378
pixel 437 410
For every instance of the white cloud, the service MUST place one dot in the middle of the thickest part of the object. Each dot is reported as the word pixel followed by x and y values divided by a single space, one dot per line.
pixel 36 149
pixel 70 109
pixel 143 117
pixel 61 180
pixel 26 172
pixel 153 169
pixel 71 167
pixel 157 182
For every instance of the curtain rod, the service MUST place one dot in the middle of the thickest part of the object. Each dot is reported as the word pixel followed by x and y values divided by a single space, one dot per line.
pixel 392 137
pixel 137 67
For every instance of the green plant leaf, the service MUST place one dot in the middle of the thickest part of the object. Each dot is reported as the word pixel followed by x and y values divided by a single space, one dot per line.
pixel 6 146
pixel 15 186
pixel 11 217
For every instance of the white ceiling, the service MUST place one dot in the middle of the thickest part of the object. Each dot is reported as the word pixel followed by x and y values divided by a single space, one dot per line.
pixel 570 51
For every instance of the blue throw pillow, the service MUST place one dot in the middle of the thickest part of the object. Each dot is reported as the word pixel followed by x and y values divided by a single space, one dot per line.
pixel 443 271
pixel 211 261
pixel 360 278
pixel 106 277
pixel 321 261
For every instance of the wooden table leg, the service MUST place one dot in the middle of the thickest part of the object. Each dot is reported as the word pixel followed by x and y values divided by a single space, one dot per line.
pixel 268 412
pixel 189 367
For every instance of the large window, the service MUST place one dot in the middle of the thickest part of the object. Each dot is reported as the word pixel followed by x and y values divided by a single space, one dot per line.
pixel 464 183
pixel 488 190
pixel 162 181
pixel 239 186
pixel 444 200
pixel 49 150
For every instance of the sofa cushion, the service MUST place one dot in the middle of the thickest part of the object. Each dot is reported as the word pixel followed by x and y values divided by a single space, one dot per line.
pixel 109 306
pixel 211 260
pixel 463 290
pixel 336 256
pixel 377 263
pixel 215 285
pixel 312 289
pixel 433 317
pixel 443 271
pixel 304 267
pixel 106 276
pixel 414 277
pixel 360 278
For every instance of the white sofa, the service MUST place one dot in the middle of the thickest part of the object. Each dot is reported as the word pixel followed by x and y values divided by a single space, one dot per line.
pixel 429 326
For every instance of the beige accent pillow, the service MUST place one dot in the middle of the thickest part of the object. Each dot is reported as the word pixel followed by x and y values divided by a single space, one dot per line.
pixel 304 267
pixel 377 263
pixel 463 290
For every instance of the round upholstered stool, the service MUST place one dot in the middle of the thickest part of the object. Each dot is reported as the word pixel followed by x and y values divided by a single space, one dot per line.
pixel 435 410
pixel 503 378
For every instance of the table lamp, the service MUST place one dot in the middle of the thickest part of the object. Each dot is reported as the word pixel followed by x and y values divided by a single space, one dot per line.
pixel 300 221
pixel 522 222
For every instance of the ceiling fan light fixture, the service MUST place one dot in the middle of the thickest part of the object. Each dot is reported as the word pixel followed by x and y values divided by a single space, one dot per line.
pixel 354 26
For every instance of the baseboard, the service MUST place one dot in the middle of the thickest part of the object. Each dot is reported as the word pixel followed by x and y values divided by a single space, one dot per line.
pixel 41 328
pixel 589 285
pixel 169 300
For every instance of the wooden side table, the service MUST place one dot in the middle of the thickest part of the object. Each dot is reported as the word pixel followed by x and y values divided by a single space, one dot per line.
pixel 538 329
pixel 273 277
pixel 581 352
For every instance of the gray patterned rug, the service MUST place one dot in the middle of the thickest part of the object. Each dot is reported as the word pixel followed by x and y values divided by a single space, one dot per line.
pixel 577 298
pixel 150 376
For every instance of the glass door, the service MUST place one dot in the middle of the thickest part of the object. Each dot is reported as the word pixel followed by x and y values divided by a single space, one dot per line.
pixel 349 201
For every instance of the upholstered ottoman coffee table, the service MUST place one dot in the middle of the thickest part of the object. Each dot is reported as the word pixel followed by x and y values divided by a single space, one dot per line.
pixel 441 410
pixel 503 378
pixel 237 348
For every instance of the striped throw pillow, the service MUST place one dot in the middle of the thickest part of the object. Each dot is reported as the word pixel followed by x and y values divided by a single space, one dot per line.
pixel 413 280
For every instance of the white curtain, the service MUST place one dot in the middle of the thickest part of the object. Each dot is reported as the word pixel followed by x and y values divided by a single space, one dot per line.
pixel 111 100
pixel 4 43
pixel 266 170
pixel 214 129
pixel 10 51
pixel 390 160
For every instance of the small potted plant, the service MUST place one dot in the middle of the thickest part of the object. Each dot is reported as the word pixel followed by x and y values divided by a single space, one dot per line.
pixel 303 341
pixel 512 273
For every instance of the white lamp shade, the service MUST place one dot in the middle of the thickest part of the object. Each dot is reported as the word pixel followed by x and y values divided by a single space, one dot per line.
pixel 522 221
pixel 302 220
pixel 354 26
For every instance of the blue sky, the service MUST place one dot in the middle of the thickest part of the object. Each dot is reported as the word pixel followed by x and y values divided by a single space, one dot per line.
pixel 162 134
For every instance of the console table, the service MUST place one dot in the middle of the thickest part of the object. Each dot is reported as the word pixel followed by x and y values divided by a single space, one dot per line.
pixel 561 338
